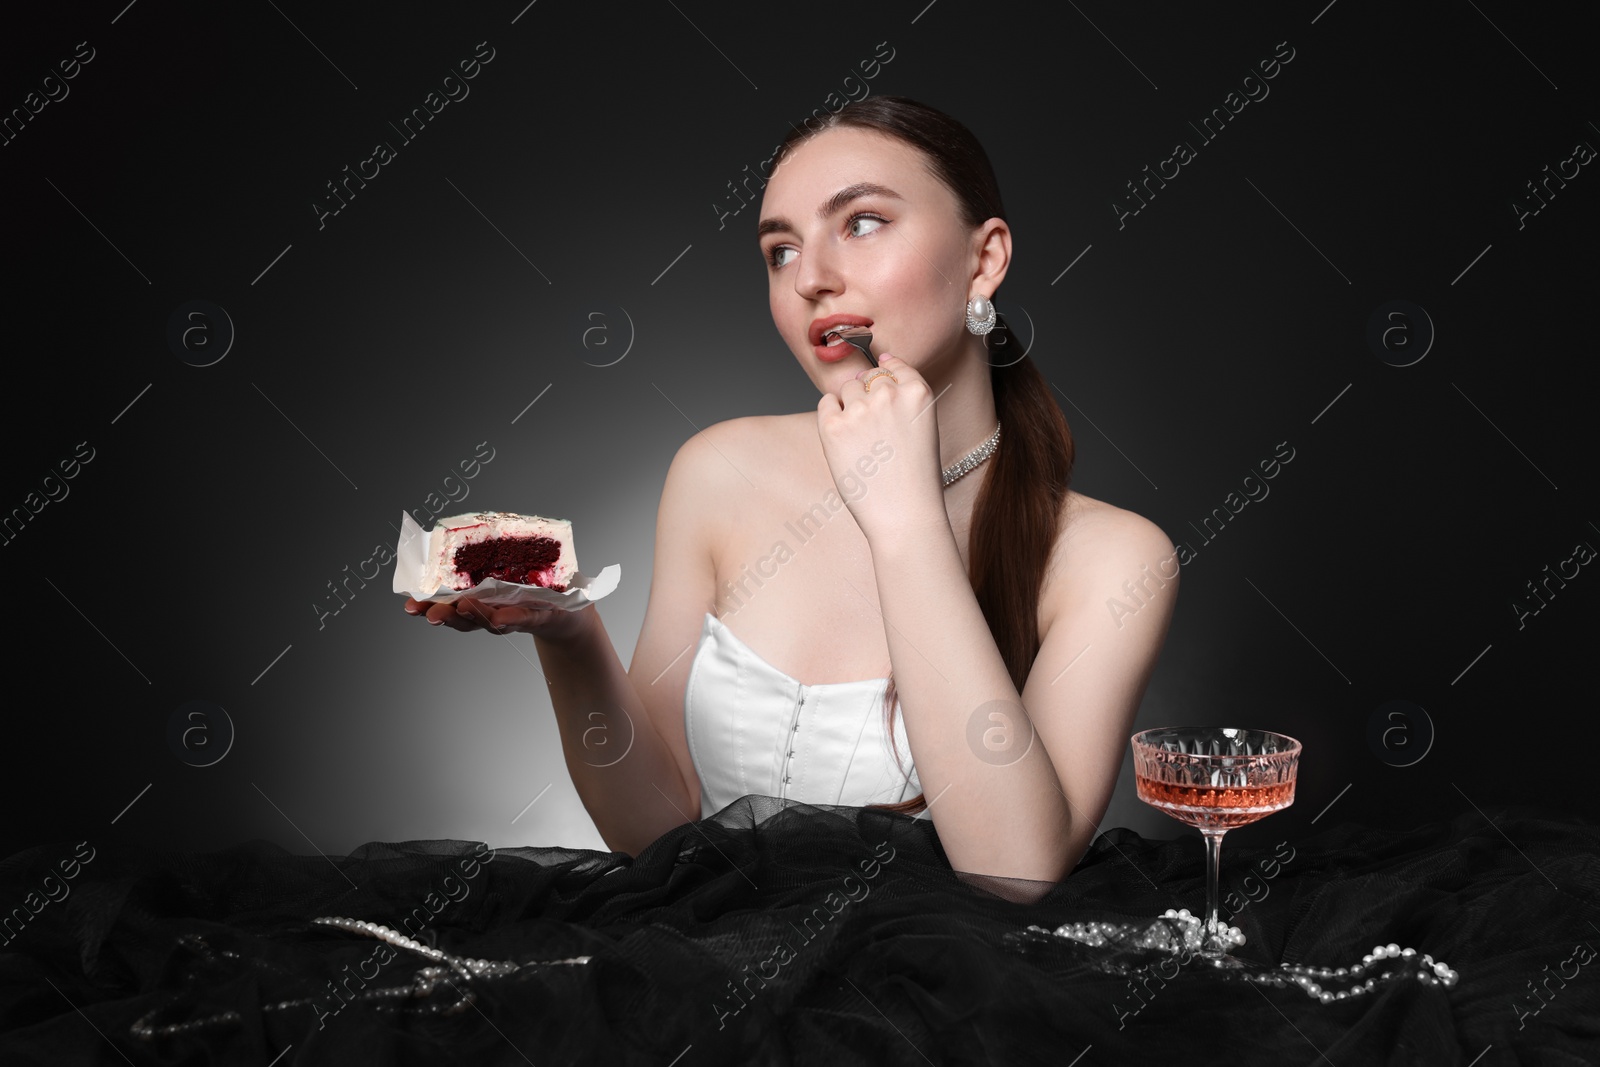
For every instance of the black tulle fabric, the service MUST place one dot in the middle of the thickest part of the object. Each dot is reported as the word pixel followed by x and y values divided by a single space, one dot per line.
pixel 902 961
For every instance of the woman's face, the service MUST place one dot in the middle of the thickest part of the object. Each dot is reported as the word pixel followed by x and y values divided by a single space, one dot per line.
pixel 897 256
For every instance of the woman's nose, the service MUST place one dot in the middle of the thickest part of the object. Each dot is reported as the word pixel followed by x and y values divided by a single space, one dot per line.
pixel 819 272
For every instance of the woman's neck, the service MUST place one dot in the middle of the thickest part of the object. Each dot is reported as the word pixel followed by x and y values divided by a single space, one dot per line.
pixel 965 406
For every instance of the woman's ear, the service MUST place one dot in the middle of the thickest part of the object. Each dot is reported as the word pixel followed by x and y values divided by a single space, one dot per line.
pixel 992 241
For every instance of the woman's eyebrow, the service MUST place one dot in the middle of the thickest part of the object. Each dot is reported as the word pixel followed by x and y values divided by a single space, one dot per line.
pixel 838 200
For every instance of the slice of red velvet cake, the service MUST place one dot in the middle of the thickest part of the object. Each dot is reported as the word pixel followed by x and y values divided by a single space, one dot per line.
pixel 464 550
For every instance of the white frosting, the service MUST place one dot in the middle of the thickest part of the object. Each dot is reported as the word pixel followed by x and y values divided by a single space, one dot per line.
pixel 449 534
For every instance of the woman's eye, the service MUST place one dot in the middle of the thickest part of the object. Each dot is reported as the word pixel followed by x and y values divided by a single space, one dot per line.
pixel 858 219
pixel 775 257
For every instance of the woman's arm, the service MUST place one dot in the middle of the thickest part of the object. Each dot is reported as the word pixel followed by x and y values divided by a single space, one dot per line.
pixel 621 730
pixel 1019 782
pixel 654 787
pixel 992 795
pixel 1015 785
pixel 624 772
pixel 635 797
pixel 1096 659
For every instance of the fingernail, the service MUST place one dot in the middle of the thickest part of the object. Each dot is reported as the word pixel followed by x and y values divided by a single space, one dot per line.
pixel 435 622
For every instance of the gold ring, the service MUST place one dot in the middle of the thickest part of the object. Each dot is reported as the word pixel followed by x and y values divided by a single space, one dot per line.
pixel 866 383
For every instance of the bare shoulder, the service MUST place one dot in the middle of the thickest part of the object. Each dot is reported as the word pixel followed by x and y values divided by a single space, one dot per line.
pixel 757 440
pixel 1098 546
pixel 739 464
pixel 1091 527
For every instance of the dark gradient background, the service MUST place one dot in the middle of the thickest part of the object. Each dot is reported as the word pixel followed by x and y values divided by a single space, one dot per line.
pixel 554 267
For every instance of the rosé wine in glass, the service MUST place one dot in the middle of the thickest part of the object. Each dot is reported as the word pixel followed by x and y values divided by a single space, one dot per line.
pixel 1215 778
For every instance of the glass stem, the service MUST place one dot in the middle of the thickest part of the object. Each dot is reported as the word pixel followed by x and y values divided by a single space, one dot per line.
pixel 1211 945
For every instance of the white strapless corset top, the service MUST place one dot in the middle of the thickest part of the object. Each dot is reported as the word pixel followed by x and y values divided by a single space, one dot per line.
pixel 754 729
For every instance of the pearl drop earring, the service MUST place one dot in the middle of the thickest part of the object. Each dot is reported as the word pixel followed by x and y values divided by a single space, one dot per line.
pixel 980 315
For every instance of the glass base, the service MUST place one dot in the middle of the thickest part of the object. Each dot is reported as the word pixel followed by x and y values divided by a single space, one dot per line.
pixel 1223 962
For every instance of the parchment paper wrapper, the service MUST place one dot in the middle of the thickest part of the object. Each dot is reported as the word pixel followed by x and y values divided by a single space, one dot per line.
pixel 411 567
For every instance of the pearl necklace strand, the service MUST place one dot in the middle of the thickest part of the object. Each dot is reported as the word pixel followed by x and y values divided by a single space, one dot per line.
pixel 1160 935
pixel 973 459
pixel 422 984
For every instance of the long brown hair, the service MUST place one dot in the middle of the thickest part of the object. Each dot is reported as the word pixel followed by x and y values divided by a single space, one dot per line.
pixel 1015 517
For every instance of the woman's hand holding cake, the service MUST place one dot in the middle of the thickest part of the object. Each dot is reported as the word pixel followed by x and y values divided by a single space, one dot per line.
pixel 467 614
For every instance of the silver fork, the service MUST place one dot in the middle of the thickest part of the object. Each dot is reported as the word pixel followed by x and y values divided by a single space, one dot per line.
pixel 859 336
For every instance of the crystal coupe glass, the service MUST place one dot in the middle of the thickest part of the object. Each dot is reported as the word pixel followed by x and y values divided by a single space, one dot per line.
pixel 1215 778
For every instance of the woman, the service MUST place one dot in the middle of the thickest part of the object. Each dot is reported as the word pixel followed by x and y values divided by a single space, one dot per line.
pixel 984 593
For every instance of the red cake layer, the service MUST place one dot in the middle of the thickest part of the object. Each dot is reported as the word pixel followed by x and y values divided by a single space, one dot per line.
pixel 524 560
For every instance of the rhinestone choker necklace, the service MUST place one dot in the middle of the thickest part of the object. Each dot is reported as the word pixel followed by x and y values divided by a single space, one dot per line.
pixel 969 462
